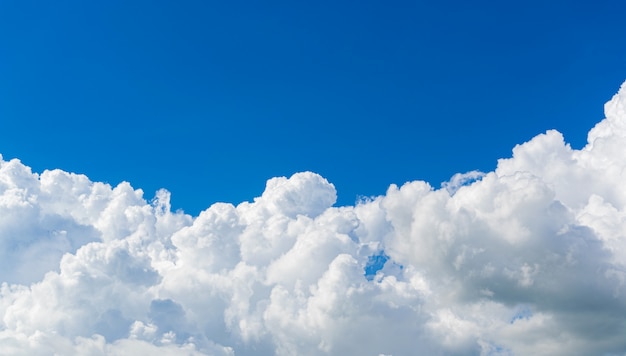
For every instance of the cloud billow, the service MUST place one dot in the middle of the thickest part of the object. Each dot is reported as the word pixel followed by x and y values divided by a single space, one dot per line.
pixel 527 259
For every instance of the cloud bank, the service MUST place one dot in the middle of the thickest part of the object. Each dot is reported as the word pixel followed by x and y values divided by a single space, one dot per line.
pixel 529 259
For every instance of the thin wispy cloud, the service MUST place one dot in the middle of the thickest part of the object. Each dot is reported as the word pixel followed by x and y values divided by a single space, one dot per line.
pixel 528 260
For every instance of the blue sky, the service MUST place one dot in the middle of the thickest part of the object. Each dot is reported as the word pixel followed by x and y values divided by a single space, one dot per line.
pixel 210 99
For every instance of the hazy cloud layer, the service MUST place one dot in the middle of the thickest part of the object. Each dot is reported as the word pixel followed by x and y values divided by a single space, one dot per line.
pixel 528 260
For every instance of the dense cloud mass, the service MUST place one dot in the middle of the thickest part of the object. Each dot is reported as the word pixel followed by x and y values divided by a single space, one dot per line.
pixel 527 260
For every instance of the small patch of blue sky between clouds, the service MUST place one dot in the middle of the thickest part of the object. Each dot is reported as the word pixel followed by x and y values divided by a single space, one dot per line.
pixel 522 313
pixel 376 262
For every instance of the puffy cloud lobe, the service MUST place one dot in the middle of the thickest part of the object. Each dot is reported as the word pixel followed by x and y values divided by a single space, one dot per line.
pixel 527 259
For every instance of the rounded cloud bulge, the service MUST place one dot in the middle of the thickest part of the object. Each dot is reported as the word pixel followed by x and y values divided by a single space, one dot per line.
pixel 527 259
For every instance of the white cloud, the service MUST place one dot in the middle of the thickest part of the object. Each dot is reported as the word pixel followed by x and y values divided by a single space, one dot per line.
pixel 527 259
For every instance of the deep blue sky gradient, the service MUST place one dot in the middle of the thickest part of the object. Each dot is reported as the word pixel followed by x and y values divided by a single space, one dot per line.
pixel 210 99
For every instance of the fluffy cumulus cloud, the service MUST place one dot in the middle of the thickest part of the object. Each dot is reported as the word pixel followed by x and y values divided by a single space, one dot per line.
pixel 529 259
